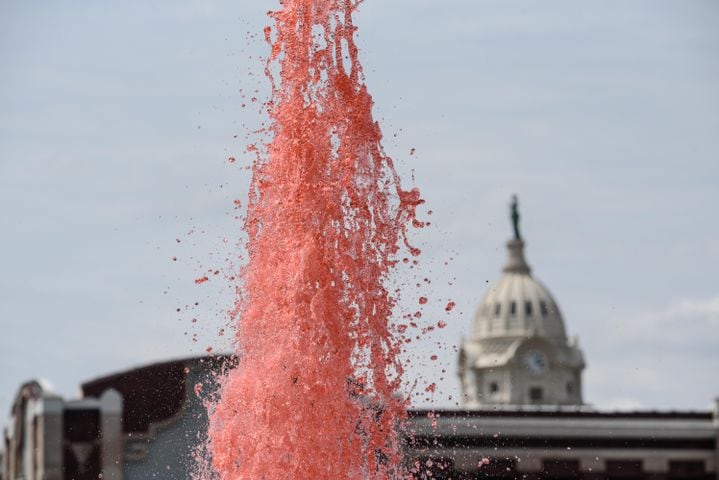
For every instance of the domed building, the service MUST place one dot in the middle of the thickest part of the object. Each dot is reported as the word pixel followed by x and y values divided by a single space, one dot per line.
pixel 524 416
pixel 518 352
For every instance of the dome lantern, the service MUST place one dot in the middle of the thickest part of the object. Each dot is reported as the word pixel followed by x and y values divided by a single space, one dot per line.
pixel 515 261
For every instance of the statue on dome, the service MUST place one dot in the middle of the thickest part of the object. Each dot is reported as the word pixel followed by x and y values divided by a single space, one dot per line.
pixel 515 217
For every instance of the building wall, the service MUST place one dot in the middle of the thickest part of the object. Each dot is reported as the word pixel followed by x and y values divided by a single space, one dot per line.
pixel 545 443
pixel 47 435
pixel 169 452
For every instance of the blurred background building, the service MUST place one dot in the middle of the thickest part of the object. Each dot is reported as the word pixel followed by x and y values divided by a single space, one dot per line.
pixel 524 416
pixel 519 352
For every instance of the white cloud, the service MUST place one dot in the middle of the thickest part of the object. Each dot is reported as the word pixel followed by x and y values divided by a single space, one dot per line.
pixel 661 357
pixel 686 323
pixel 623 404
pixel 102 166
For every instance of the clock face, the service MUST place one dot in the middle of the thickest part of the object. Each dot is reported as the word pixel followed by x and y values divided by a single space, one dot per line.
pixel 535 361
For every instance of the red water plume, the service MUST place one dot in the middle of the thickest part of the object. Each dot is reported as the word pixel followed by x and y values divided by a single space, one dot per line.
pixel 316 394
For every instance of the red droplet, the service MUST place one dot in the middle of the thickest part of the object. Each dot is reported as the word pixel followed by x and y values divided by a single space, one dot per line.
pixel 433 357
pixel 422 300
pixel 441 324
pixel 201 280
pixel 232 159
pixel 449 306
pixel 432 387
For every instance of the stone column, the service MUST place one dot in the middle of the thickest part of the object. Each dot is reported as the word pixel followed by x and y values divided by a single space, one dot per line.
pixel 50 438
pixel 28 441
pixel 656 467
pixel 11 448
pixel 592 467
pixel 716 437
pixel 592 476
pixel 112 437
pixel 530 466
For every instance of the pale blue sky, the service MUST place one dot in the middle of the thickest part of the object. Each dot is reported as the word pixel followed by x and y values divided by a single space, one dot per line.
pixel 116 119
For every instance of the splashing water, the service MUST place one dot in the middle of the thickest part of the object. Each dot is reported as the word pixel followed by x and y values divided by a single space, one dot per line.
pixel 316 394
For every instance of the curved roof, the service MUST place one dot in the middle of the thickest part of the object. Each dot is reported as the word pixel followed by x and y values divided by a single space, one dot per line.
pixel 154 393
pixel 518 305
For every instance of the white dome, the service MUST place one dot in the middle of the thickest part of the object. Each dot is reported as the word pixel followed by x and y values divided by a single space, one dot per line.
pixel 518 305
pixel 519 353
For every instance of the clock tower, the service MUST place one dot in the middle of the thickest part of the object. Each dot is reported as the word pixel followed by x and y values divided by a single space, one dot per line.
pixel 518 352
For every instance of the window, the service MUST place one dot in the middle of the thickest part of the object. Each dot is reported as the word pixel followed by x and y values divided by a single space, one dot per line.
pixel 624 469
pixel 528 308
pixel 686 469
pixel 497 468
pixel 543 308
pixel 434 468
pixel 493 387
pixel 513 308
pixel 561 468
pixel 570 388
pixel 536 394
pixel 497 309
